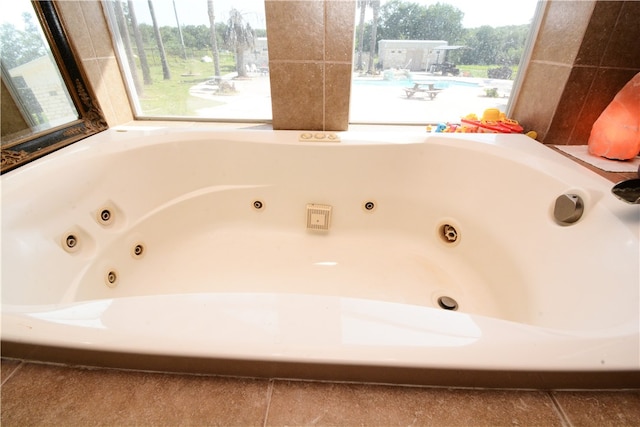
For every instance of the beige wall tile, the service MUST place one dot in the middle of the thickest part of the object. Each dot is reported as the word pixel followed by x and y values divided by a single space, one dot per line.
pixel 310 37
pixel 540 94
pixel 570 105
pixel 76 27
pixel 86 26
pixel 563 27
pixel 99 32
pixel 297 94
pixel 623 49
pixel 339 33
pixel 106 81
pixel 598 32
pixel 12 120
pixel 296 30
pixel 111 82
pixel 93 71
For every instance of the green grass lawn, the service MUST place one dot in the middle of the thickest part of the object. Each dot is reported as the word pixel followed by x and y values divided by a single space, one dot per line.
pixel 171 97
pixel 481 70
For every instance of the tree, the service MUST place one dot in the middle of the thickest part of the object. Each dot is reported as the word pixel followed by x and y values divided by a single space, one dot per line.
pixel 166 74
pixel 495 46
pixel 20 47
pixel 484 46
pixel 411 21
pixel 213 38
pixel 375 6
pixel 239 37
pixel 144 64
pixel 513 38
pixel 184 51
pixel 402 20
pixel 196 36
pixel 126 41
pixel 362 4
pixel 444 22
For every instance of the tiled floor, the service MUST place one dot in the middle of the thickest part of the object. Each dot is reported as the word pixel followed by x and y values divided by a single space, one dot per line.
pixel 35 394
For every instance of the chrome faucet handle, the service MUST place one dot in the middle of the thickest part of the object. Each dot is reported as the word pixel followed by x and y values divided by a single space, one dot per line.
pixel 568 209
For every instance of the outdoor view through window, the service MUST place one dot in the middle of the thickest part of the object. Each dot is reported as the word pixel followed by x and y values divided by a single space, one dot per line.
pixel 36 95
pixel 414 61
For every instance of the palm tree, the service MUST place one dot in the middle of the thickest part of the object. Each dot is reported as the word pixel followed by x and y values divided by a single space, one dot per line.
pixel 375 5
pixel 126 41
pixel 144 64
pixel 184 50
pixel 214 39
pixel 239 37
pixel 362 4
pixel 166 74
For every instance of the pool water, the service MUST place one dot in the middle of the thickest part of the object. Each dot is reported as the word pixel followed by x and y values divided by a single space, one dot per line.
pixel 438 84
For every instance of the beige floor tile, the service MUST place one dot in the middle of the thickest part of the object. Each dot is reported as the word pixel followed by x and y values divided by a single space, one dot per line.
pixel 38 394
pixel 601 408
pixel 308 403
pixel 8 366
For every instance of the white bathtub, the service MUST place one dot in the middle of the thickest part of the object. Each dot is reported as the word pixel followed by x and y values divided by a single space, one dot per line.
pixel 220 286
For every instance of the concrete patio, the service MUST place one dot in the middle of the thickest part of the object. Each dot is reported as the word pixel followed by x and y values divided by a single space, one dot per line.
pixel 373 100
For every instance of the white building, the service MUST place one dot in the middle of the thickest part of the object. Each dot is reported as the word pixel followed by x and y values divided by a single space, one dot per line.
pixel 412 55
pixel 39 85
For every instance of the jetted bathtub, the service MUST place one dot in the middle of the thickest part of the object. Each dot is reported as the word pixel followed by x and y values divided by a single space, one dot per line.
pixel 400 257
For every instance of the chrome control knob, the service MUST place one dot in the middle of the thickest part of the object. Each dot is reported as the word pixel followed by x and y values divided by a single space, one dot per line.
pixel 568 209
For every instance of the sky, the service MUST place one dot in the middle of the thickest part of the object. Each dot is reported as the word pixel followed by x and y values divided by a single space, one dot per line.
pixel 194 12
pixel 477 12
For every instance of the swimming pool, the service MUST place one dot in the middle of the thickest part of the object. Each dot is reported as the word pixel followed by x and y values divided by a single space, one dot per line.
pixel 439 83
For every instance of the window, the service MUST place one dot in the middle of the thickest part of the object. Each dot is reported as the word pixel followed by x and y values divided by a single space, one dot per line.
pixel 177 69
pixel 435 61
pixel 423 61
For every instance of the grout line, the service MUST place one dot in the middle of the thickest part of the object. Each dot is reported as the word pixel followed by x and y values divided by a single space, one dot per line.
pixel 606 44
pixel 563 416
pixel 269 394
pixel 17 368
pixel 324 66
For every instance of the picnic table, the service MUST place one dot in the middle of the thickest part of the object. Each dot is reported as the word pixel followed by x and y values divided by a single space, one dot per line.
pixel 428 89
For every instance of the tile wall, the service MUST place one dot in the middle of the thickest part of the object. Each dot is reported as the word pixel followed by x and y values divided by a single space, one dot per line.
pixel 86 27
pixel 584 54
pixel 310 62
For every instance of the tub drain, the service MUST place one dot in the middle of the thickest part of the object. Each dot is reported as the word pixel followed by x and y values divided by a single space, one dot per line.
pixel 448 303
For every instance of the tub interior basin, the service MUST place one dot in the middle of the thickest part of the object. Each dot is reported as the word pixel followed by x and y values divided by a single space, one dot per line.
pixel 439 222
